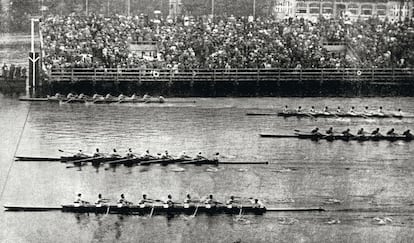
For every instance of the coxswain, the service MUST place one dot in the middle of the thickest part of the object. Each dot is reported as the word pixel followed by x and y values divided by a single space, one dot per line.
pixel 330 131
pixel 161 99
pixel 114 154
pixel 144 200
pixel 299 109
pixel 123 201
pixel 257 203
pixel 347 133
pixel 79 199
pixel 338 110
pixel 361 132
pixel 97 153
pixel 407 134
pixel 316 132
pixel 312 109
pixel 199 156
pixel 169 201
pixel 101 200
pixel 286 109
pixel 376 132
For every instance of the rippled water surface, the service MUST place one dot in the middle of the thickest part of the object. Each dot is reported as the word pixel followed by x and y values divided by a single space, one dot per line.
pixel 373 179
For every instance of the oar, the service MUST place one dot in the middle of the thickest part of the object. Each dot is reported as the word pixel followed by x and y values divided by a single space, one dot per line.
pixel 84 160
pixel 310 115
pixel 195 212
pixel 152 210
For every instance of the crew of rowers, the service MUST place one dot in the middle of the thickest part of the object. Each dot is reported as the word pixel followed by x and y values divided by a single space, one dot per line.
pixel 145 201
pixel 146 155
pixel 339 111
pixel 96 97
pixel 361 133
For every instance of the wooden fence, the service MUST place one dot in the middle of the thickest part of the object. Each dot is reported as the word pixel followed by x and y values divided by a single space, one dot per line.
pixel 232 75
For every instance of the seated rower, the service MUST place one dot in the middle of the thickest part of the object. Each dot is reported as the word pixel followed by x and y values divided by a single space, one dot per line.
pixel 407 134
pixel 199 156
pixel 169 201
pixel 123 201
pixel 347 133
pixel 166 155
pixel 352 110
pixel 146 97
pixel 216 157
pixel 330 131
pixel 257 203
pixel 326 110
pixel 376 133
pixel 97 153
pixel 80 154
pixel 312 109
pixel 299 109
pixel 380 111
pixel 367 111
pixel 338 110
pixel 285 109
pixel 97 97
pixel 121 97
pixel 79 200
pixel 134 97
pixel 82 96
pixel 399 113
pixel 147 155
pixel 316 132
pixel 188 199
pixel 145 200
pixel 71 96
pixel 161 99
pixel 184 156
pixel 101 200
pixel 232 200
pixel 391 133
pixel 130 154
pixel 114 154
pixel 108 97
pixel 361 132
pixel 210 200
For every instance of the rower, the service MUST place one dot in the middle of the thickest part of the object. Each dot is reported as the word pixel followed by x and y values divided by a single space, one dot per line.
pixel 316 132
pixel 121 97
pixel 97 153
pixel 312 109
pixel 216 156
pixel 114 154
pixel 82 96
pixel 299 109
pixel 187 199
pixel 144 200
pixel 199 156
pixel 108 96
pixel 169 201
pixel 367 111
pixel 330 131
pixel 380 111
pixel 376 132
pixel 285 109
pixel 399 113
pixel 210 200
pixel 134 97
pixel 80 154
pixel 79 200
pixel 183 155
pixel 231 201
pixel 257 203
pixel 123 201
pixel 361 132
pixel 130 154
pixel 71 96
pixel 347 133
pixel 96 96
pixel 146 97
pixel 326 110
pixel 161 99
pixel 391 132
pixel 352 110
pixel 408 134
pixel 166 155
pixel 147 155
pixel 101 200
pixel 338 110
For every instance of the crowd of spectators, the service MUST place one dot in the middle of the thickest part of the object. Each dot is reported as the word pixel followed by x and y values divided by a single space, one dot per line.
pixel 13 72
pixel 225 43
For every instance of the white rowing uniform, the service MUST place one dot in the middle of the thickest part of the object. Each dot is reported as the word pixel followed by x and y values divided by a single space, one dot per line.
pixel 134 97
pixel 312 110
pixel 183 155
pixel 352 110
pixel 146 97
pixel 299 109
pixel 326 110
pixel 161 99
pixel 285 109
pixel 338 110
pixel 257 204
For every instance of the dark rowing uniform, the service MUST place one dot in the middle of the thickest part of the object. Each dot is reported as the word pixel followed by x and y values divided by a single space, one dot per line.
pixel 391 133
pixel 407 134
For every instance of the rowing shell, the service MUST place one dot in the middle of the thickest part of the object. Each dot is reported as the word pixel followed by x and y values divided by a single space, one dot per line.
pixel 105 101
pixel 158 209
pixel 339 137
pixel 328 115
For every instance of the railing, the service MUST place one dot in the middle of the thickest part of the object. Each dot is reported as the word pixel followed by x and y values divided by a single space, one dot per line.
pixel 236 75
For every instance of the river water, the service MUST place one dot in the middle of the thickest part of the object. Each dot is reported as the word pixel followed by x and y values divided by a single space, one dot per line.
pixel 373 179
